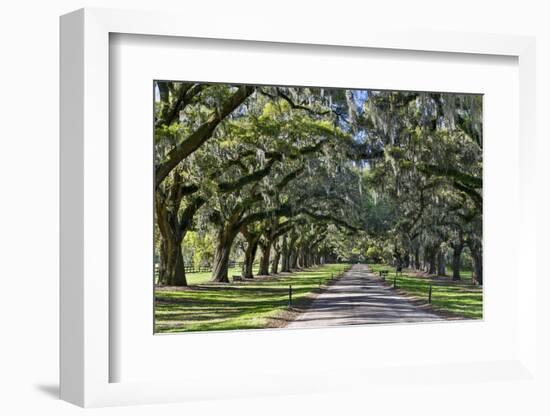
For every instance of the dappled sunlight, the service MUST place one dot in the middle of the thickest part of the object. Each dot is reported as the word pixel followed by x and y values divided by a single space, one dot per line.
pixel 243 305
pixel 285 205
pixel 461 298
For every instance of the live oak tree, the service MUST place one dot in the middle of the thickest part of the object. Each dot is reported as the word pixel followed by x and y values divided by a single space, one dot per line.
pixel 195 123
pixel 428 160
pixel 301 176
pixel 186 116
pixel 282 138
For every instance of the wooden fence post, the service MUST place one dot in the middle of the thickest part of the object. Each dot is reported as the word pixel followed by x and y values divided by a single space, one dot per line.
pixel 290 296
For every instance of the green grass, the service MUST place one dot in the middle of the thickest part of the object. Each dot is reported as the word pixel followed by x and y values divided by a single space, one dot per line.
pixel 465 275
pixel 457 298
pixel 204 277
pixel 243 305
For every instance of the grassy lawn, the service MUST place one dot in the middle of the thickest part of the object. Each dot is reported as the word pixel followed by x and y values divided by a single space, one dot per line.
pixel 204 277
pixel 243 305
pixel 457 298
pixel 465 275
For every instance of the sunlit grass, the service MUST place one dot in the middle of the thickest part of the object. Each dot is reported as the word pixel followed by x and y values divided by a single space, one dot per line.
pixel 242 305
pixel 458 298
pixel 204 277
pixel 465 275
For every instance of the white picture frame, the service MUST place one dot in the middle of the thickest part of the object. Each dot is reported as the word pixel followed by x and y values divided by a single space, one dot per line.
pixel 85 264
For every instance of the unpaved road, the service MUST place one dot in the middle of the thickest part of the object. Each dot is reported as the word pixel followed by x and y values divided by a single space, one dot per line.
pixel 359 298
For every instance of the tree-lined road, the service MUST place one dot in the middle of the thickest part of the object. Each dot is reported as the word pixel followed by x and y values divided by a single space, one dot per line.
pixel 286 180
pixel 360 298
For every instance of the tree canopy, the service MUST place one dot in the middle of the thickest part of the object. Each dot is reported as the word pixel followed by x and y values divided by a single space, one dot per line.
pixel 311 175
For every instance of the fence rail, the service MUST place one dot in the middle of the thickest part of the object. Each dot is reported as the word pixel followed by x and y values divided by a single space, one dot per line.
pixel 193 269
pixel 203 269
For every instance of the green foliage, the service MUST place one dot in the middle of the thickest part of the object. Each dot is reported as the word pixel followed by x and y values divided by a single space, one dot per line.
pixel 339 174
pixel 199 248
pixel 374 254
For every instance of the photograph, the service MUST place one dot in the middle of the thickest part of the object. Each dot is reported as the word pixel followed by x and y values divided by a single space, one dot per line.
pixel 268 211
pixel 308 207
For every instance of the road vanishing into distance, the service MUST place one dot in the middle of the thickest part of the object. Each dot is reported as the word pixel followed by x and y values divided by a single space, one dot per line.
pixel 358 298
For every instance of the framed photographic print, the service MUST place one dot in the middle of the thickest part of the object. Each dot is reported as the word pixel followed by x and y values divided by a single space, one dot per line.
pixel 284 213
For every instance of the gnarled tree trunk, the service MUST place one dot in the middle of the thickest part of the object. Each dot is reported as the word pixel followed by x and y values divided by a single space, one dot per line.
pixel 173 270
pixel 441 264
pixel 478 268
pixel 276 258
pixel 285 263
pixel 294 258
pixel 407 260
pixel 457 253
pixel 221 262
pixel 171 267
pixel 173 227
pixel 476 251
pixel 417 258
pixel 300 256
pixel 265 247
pixel 226 236
pixel 250 254
pixel 431 259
